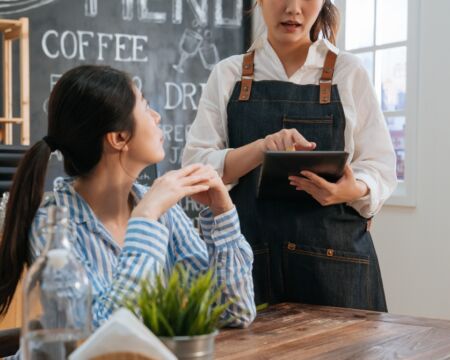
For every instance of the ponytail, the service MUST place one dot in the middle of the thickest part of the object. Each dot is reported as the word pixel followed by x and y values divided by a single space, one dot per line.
pixel 24 200
pixel 327 23
pixel 85 104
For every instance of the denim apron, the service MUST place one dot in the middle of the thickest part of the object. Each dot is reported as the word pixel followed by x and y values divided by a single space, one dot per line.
pixel 304 252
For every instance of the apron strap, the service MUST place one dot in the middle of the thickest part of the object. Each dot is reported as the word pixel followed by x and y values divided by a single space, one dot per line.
pixel 247 76
pixel 325 80
pixel 327 76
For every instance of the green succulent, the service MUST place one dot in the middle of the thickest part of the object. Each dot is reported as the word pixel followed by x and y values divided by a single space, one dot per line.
pixel 183 305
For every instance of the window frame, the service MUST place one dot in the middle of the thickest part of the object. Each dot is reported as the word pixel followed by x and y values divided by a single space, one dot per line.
pixel 405 193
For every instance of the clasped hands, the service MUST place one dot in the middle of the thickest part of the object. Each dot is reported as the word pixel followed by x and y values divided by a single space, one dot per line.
pixel 200 182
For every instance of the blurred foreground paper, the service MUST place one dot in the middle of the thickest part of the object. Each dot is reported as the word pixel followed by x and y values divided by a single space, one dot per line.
pixel 123 332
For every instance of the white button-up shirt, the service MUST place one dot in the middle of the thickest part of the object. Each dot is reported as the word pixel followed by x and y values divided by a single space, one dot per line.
pixel 367 139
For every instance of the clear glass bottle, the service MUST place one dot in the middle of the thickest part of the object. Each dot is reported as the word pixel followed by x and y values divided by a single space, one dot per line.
pixel 57 296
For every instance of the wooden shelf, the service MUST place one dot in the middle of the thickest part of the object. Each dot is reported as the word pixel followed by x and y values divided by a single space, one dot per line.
pixel 15 30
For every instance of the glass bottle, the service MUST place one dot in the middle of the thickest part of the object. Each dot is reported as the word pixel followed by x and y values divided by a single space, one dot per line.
pixel 57 295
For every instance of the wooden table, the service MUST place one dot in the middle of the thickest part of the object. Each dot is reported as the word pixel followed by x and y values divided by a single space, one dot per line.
pixel 296 331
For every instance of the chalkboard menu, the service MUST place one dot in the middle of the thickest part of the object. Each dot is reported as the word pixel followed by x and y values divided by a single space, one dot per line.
pixel 168 47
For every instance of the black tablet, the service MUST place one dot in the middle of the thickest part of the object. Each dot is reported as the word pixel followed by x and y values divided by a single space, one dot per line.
pixel 278 165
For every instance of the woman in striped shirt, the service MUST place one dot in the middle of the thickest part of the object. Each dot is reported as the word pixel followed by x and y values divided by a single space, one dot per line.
pixel 108 134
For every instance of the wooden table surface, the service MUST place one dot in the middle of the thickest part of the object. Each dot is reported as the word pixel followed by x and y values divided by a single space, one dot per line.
pixel 296 331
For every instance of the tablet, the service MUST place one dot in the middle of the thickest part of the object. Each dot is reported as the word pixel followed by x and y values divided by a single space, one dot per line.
pixel 278 165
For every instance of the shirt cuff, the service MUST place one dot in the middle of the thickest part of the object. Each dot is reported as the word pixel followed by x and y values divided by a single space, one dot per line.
pixel 220 230
pixel 365 205
pixel 216 158
pixel 147 236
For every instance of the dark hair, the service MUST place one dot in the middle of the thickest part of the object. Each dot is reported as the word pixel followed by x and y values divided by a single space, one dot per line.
pixel 86 103
pixel 327 23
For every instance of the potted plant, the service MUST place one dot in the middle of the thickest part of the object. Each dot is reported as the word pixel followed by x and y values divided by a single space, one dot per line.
pixel 183 312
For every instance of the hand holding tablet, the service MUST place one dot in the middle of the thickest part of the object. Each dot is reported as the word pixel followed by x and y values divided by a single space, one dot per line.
pixel 279 165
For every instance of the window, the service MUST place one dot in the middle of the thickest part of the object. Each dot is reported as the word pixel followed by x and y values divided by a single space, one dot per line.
pixel 383 34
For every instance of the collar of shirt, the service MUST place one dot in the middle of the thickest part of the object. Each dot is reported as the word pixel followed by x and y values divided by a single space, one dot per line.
pixel 79 210
pixel 314 60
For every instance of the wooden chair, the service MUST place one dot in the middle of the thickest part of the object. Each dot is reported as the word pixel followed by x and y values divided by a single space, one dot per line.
pixel 10 156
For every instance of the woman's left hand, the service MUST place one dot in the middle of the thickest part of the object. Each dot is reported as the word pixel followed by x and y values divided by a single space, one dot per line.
pixel 346 189
pixel 217 197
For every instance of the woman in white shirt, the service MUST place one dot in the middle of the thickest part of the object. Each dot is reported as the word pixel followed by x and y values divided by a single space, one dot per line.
pixel 294 90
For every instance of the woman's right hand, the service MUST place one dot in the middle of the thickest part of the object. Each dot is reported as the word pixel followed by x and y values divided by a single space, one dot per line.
pixel 168 189
pixel 242 160
pixel 286 139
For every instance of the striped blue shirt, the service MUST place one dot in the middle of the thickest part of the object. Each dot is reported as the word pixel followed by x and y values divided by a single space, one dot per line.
pixel 150 247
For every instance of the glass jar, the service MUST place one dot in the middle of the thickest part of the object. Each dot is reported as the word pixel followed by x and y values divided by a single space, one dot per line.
pixel 57 295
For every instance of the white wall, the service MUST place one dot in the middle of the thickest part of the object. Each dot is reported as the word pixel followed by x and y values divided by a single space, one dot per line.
pixel 414 243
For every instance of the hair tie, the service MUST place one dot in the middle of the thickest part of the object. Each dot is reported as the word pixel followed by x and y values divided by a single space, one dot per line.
pixel 52 144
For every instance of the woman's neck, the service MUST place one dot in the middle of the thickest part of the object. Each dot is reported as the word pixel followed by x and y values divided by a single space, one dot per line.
pixel 107 191
pixel 292 57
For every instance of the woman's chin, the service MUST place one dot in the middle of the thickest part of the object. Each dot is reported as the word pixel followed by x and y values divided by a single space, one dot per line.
pixel 161 156
pixel 155 158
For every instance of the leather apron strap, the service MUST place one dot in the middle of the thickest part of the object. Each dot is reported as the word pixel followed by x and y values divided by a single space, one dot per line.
pixel 247 76
pixel 325 81
pixel 327 77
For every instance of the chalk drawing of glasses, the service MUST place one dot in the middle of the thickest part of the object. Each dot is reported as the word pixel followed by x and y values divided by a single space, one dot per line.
pixel 208 52
pixel 192 42
pixel 189 44
pixel 17 6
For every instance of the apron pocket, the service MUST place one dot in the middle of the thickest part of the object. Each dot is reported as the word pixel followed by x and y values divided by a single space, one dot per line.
pixel 261 274
pixel 326 276
pixel 319 130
